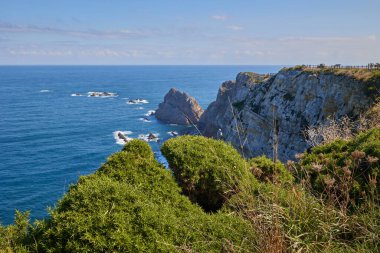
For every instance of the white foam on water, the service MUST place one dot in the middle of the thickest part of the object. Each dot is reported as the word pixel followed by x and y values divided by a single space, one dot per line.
pixel 44 91
pixel 139 108
pixel 102 94
pixel 145 120
pixel 122 141
pixel 137 101
pixel 145 137
pixel 150 113
pixel 173 133
pixel 77 95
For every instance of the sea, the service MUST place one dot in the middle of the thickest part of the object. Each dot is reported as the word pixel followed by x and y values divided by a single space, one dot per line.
pixel 52 131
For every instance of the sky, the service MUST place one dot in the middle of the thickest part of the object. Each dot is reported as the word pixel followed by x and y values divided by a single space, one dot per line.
pixel 189 32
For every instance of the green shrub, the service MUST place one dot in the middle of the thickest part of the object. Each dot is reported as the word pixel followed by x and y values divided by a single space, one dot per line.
pixel 344 171
pixel 132 204
pixel 265 170
pixel 138 149
pixel 208 171
pixel 16 237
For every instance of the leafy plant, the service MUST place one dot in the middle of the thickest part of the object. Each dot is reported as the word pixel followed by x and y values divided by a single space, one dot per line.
pixel 265 170
pixel 344 171
pixel 208 171
pixel 133 204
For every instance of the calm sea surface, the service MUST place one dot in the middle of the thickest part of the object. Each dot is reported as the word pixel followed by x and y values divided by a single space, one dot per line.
pixel 48 138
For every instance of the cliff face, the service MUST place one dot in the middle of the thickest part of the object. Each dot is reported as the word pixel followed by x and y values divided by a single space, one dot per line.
pixel 244 109
pixel 179 108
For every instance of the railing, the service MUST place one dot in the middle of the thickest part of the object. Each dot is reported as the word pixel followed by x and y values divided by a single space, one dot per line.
pixel 370 66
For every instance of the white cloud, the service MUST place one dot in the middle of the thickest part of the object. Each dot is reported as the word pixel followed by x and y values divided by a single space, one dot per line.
pixel 235 27
pixel 372 37
pixel 219 17
pixel 243 53
pixel 308 49
pixel 181 45
pixel 40 52
pixel 86 34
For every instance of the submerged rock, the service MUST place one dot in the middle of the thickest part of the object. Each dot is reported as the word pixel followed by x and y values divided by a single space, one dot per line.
pixel 101 94
pixel 179 108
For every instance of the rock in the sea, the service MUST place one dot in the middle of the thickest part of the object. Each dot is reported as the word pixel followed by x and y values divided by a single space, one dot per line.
pixel 101 94
pixel 179 108
pixel 152 136
pixel 298 98
pixel 122 137
pixel 137 101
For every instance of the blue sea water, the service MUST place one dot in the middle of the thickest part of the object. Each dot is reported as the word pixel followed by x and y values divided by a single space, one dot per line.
pixel 49 138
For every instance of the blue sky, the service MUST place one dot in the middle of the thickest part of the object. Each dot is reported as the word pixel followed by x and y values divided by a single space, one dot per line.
pixel 189 32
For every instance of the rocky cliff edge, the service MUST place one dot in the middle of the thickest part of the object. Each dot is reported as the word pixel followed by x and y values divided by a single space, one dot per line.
pixel 295 98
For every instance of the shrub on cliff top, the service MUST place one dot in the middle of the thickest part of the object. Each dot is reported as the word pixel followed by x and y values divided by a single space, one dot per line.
pixel 139 148
pixel 132 204
pixel 208 171
pixel 345 172
pixel 15 237
pixel 265 170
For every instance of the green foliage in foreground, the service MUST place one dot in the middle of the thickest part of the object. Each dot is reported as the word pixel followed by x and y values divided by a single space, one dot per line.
pixel 265 170
pixel 133 204
pixel 208 171
pixel 16 236
pixel 348 169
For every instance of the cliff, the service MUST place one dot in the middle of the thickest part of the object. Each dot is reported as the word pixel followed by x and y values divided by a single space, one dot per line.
pixel 296 98
pixel 179 108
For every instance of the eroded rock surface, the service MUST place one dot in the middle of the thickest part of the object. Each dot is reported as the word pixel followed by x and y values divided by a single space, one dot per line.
pixel 244 109
pixel 179 108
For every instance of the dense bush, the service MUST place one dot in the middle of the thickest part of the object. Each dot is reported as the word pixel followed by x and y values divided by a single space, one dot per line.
pixel 265 170
pixel 344 171
pixel 132 204
pixel 208 171
pixel 15 237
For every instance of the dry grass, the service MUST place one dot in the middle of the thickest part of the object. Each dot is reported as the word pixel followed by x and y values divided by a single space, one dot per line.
pixel 360 74
pixel 344 128
pixel 330 131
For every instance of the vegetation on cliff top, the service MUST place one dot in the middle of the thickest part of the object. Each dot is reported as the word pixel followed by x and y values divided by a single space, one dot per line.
pixel 133 204
pixel 371 76
pixel 348 169
pixel 208 171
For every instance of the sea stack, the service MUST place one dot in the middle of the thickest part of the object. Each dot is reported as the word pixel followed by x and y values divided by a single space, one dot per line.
pixel 179 108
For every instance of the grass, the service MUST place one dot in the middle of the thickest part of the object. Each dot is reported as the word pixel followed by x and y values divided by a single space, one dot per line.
pixel 366 75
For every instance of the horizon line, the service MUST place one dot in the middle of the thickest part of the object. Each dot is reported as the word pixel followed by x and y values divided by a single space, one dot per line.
pixel 154 65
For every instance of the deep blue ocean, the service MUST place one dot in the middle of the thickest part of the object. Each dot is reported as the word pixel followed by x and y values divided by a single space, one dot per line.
pixel 48 138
